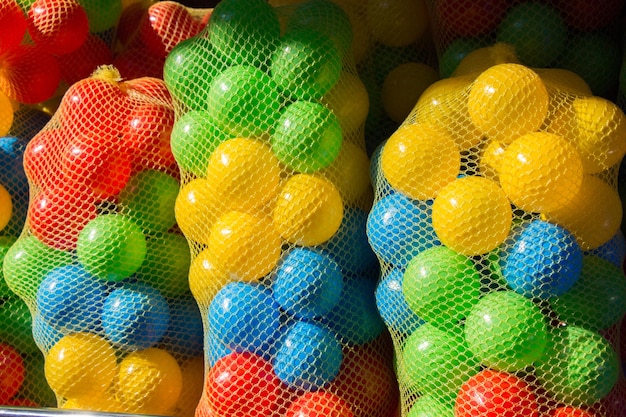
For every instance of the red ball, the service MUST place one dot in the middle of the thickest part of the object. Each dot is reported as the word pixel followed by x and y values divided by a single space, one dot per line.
pixel 319 404
pixel 61 26
pixel 470 18
pixel 571 412
pixel 496 394
pixel 242 384
pixel 42 158
pixel 83 62
pixel 588 15
pixel 11 372
pixel 13 24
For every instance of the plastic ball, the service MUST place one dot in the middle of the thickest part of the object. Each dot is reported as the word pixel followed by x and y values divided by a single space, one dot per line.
pixel 490 160
pixel 349 172
pixel 308 357
pixel 171 277
pixel 16 325
pixel 6 210
pixel 579 367
pixel 472 215
pixel 437 362
pixel 6 114
pixel 486 57
pixel 243 100
pixel 185 332
pixel 441 286
pixel 193 385
pixel 243 31
pixel 306 64
pixel 536 31
pixel 196 209
pixel 506 101
pixel 454 53
pixel 242 382
pixel 308 283
pixel 27 262
pixel 564 80
pixel 468 17
pixel 61 27
pixel 544 262
pixel 245 246
pixel 71 299
pixel 614 250
pixel 193 140
pixel 205 278
pixel 392 306
pixel 403 86
pixel 11 372
pixel 419 160
pixel 244 173
pixel 5 243
pixel 427 406
pixel 593 215
pixel 308 210
pixel 506 331
pixel 244 316
pixel 80 365
pixel 398 228
pixel 148 199
pixel 14 22
pixel 135 316
pixel 318 404
pixel 568 411
pixel 307 136
pixel 111 247
pixel 355 319
pixel 397 23
pixel 597 300
pixel 43 334
pixel 349 101
pixel 149 382
pixel 490 393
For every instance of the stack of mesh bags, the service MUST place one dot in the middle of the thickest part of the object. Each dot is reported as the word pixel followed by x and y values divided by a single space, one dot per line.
pixel 23 382
pixel 496 222
pixel 274 197
pixel 100 262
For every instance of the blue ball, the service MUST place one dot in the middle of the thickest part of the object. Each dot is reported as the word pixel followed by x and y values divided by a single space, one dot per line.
pixel 244 317
pixel 27 122
pixel 355 319
pixel 214 349
pixel 135 316
pixel 308 283
pixel 379 182
pixel 392 306
pixel 309 356
pixel 45 335
pixel 612 251
pixel 398 228
pixel 12 175
pixel 349 246
pixel 70 299
pixel 545 261
pixel 185 334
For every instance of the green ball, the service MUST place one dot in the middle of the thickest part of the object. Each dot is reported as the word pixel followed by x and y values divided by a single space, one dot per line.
pixel 597 300
pixel 5 243
pixel 16 325
pixel 437 362
pixel 427 406
pixel 245 32
pixel 325 17
pixel 149 198
pixel 102 14
pixel 27 262
pixel 579 367
pixel 194 138
pixel 506 331
pixel 441 286
pixel 36 385
pixel 306 65
pixel 455 52
pixel 243 101
pixel 536 31
pixel 169 277
pixel 111 247
pixel 189 70
pixel 307 137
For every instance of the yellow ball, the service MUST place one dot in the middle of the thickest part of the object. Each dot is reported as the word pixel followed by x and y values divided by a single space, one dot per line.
pixel 403 86
pixel 507 101
pixel 205 278
pixel 6 207
pixel 564 81
pixel 100 403
pixel 193 383
pixel 419 160
pixel 6 114
pixel 80 365
pixel 349 100
pixel 196 209
pixel 480 59
pixel 472 215
pixel 594 214
pixel 397 22
pixel 444 103
pixel 490 160
pixel 308 210
pixel 349 172
pixel 244 173
pixel 149 382
pixel 245 246
pixel 540 172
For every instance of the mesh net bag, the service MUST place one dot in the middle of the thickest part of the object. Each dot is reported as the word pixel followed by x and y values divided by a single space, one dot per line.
pixel 100 263
pixel 496 222
pixel 275 190
pixel 579 36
